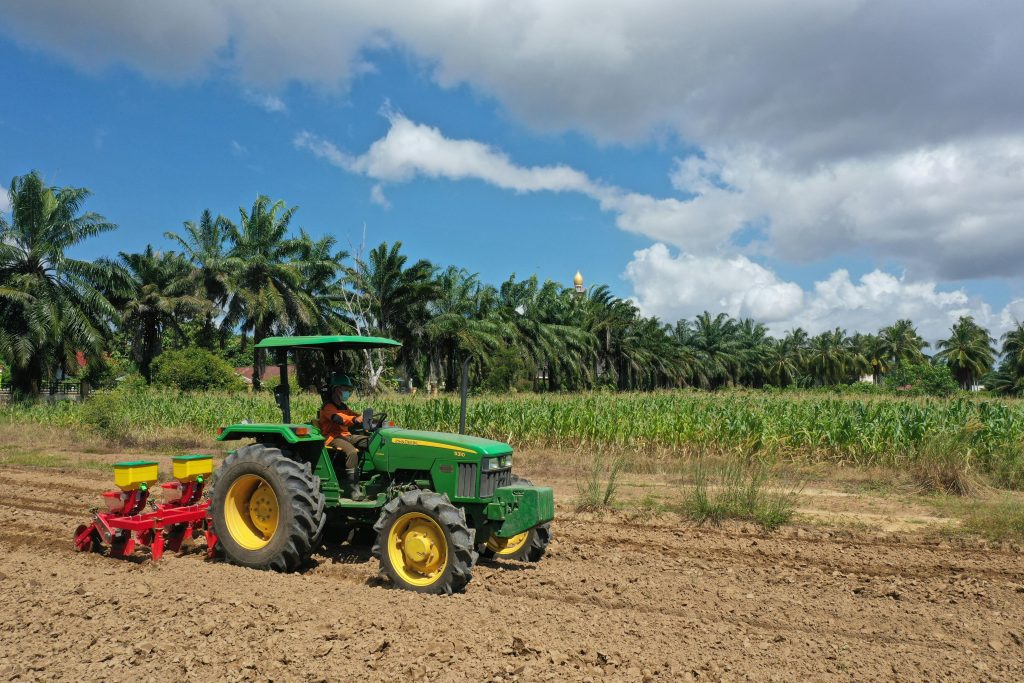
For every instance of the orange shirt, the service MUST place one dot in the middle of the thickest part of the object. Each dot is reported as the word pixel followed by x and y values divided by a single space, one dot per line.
pixel 329 427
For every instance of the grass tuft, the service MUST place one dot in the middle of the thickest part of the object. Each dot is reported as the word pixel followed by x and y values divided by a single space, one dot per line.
pixel 944 464
pixel 599 486
pixel 737 490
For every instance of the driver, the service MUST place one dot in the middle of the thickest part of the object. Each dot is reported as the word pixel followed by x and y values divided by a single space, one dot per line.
pixel 336 421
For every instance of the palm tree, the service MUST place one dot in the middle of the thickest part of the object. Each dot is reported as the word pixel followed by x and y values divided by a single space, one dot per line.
pixel 51 305
pixel 870 355
pixel 159 298
pixel 901 343
pixel 1009 378
pixel 714 341
pixel 459 328
pixel 205 246
pixel 828 357
pixel 546 329
pixel 969 352
pixel 265 276
pixel 783 361
pixel 392 300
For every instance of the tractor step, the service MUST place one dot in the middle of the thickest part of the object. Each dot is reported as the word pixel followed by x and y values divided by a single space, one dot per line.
pixel 164 526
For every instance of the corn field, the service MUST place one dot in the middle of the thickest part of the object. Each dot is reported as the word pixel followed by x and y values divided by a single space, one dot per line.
pixel 803 427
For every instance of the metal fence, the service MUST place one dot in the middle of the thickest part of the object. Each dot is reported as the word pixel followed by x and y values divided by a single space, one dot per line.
pixel 68 390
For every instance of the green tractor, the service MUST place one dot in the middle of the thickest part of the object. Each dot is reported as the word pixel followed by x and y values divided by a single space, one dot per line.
pixel 429 502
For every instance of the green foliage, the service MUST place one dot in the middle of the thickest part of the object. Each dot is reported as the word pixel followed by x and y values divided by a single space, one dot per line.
pixel 51 305
pixel 508 370
pixel 194 369
pixel 798 426
pixel 922 379
pixel 998 520
pixel 943 463
pixel 737 490
pixel 599 486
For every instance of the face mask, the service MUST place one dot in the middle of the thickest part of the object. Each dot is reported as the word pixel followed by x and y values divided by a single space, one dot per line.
pixel 345 395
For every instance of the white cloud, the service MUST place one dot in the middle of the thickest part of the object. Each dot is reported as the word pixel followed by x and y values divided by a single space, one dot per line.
pixel 5 201
pixel 238 149
pixel 680 287
pixel 269 103
pixel 818 80
pixel 378 197
pixel 412 149
pixel 674 287
pixel 954 211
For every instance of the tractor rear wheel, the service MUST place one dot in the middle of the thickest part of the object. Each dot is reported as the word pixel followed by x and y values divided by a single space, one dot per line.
pixel 528 546
pixel 424 543
pixel 268 511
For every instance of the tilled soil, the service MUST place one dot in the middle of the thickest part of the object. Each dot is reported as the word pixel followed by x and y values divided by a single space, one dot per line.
pixel 614 599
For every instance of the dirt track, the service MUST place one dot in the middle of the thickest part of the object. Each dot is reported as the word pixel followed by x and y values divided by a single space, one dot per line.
pixel 613 600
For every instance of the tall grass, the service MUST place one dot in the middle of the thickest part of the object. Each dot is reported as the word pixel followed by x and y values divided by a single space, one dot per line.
pixel 736 489
pixel 599 485
pixel 810 427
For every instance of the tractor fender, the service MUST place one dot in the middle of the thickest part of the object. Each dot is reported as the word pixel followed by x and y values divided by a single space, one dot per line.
pixel 288 433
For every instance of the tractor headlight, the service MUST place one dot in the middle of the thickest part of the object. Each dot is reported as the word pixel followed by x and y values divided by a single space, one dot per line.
pixel 492 464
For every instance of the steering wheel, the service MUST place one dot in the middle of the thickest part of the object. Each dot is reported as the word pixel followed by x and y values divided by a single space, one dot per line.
pixel 373 421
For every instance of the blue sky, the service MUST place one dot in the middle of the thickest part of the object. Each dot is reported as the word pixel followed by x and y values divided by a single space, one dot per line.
pixel 790 162
pixel 155 155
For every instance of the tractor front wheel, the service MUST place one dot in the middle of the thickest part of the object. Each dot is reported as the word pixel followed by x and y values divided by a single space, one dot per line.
pixel 424 544
pixel 528 546
pixel 268 511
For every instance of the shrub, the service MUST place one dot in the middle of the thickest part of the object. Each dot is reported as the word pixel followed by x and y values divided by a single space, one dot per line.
pixel 194 369
pixel 922 379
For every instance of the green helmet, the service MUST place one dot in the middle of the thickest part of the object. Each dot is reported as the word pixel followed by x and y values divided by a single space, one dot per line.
pixel 339 379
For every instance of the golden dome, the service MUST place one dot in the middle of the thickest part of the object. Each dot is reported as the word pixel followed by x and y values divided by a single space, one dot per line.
pixel 578 280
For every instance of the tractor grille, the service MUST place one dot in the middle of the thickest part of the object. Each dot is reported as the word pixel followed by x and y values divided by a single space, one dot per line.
pixel 494 480
pixel 467 480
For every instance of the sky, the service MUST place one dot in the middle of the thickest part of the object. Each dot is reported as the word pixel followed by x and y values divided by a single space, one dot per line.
pixel 807 164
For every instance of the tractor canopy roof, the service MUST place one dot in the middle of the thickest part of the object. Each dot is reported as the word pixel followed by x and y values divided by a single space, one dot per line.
pixel 338 342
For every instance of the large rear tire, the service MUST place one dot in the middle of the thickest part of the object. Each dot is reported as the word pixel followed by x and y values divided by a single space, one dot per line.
pixel 528 546
pixel 267 509
pixel 424 543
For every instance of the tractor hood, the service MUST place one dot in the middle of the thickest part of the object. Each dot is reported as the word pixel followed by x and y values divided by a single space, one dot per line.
pixel 444 441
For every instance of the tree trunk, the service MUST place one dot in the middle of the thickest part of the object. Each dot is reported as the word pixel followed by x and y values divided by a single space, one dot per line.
pixel 259 362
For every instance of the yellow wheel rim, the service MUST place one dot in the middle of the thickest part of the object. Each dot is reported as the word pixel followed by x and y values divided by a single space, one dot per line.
pixel 418 549
pixel 251 512
pixel 507 546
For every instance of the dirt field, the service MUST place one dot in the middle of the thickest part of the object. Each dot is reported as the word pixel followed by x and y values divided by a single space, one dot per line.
pixel 617 598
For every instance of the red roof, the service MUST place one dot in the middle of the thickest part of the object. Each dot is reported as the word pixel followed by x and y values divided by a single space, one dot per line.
pixel 270 372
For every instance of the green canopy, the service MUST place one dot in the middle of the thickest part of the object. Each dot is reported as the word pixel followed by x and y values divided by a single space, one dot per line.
pixel 339 342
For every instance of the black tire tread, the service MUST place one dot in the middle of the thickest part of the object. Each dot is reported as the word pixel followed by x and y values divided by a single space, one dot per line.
pixel 461 552
pixel 304 534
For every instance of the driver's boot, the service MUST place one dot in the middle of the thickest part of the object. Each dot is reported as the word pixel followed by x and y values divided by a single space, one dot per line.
pixel 352 489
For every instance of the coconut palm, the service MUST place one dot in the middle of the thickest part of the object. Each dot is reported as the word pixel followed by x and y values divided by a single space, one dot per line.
pixel 783 361
pixel 900 343
pixel 828 357
pixel 159 298
pixel 51 305
pixel 459 329
pixel 391 298
pixel 267 295
pixel 206 248
pixel 714 341
pixel 969 352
